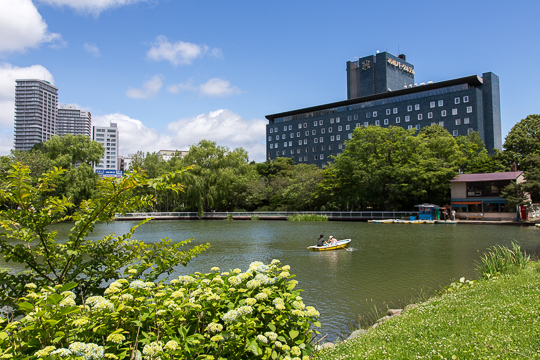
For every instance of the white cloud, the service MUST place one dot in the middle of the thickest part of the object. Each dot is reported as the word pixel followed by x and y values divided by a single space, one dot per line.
pixel 222 126
pixel 214 87
pixel 180 52
pixel 149 89
pixel 218 88
pixel 92 49
pixel 8 75
pixel 225 128
pixel 94 7
pixel 133 134
pixel 22 27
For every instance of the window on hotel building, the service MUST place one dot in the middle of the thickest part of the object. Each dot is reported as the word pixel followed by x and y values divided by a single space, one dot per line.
pixel 320 122
pixel 299 142
pixel 440 103
pixel 357 125
pixel 337 119
pixel 292 136
pixel 417 107
pixel 321 156
pixel 298 151
pixel 338 137
pixel 385 122
pixel 322 147
pixel 330 147
pixel 458 121
pixel 388 111
pixel 321 139
pixel 377 122
pixel 305 158
pixel 313 132
pixel 368 115
pixel 432 104
pixel 305 125
pixel 398 120
pixel 469 109
pixel 332 138
pixel 305 141
pixel 285 144
pixel 355 116
pixel 407 118
pixel 306 133
pixel 470 130
pixel 456 100
pixel 315 140
pixel 441 123
pixel 299 125
pixel 430 115
pixel 339 128
pixel 271 130
pixel 276 145
pixel 277 137
pixel 271 146
pixel 290 127
pixel 298 134
pixel 347 127
pixel 331 120
pixel 315 123
pixel 314 149
pixel 420 116
pixel 340 146
pixel 299 159
pixel 285 128
pixel 292 151
pixel 323 130
pixel 374 114
pixel 466 99
pixel 316 157
pixel 290 143
pixel 455 132
pixel 409 107
pixel 443 113
pixel 349 118
pixel 330 129
pixel 269 138
pixel 466 120
pixel 417 127
pixel 349 135
pixel 454 111
pixel 409 127
pixel 366 124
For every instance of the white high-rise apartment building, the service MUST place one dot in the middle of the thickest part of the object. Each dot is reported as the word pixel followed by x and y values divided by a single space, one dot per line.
pixel 71 120
pixel 108 137
pixel 36 106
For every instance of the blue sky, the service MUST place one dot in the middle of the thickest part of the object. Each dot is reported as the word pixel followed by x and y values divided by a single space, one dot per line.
pixel 173 72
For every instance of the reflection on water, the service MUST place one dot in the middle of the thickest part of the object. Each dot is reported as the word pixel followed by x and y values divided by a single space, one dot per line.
pixel 386 264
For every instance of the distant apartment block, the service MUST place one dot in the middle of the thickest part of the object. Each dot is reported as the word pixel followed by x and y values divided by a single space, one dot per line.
pixel 71 120
pixel 36 103
pixel 169 154
pixel 108 137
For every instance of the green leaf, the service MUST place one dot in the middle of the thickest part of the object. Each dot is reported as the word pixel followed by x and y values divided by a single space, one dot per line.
pixel 3 335
pixel 54 299
pixel 293 334
pixel 26 306
pixel 69 310
pixel 272 327
pixel 68 286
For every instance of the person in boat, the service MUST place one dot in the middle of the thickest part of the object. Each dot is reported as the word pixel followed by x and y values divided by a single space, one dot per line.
pixel 331 241
pixel 320 240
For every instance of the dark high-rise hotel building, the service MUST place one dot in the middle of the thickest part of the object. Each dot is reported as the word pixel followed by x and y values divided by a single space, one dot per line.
pixel 381 92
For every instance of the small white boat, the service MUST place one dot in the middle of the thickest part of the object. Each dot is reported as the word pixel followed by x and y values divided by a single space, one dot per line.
pixel 341 244
pixel 384 221
pixel 448 222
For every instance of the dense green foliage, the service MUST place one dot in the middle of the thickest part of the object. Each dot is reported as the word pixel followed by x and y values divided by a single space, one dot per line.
pixel 382 168
pixel 256 314
pixel 488 319
pixel 307 217
pixel 29 208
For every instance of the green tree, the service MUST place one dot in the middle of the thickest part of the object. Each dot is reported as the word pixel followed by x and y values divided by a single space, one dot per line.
pixel 27 238
pixel 72 150
pixel 476 159
pixel 523 140
pixel 213 176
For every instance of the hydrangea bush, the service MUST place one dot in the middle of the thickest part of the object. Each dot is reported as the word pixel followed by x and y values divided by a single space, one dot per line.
pixel 256 314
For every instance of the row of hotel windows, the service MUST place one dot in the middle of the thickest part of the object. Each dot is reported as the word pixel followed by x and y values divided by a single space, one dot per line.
pixel 366 124
pixel 338 137
pixel 386 121
pixel 306 150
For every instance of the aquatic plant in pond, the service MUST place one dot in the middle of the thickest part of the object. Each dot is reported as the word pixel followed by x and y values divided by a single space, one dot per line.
pixel 256 314
pixel 502 260
pixel 307 217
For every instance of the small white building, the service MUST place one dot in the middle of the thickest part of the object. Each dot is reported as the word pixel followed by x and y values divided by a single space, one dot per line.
pixel 107 136
pixel 169 154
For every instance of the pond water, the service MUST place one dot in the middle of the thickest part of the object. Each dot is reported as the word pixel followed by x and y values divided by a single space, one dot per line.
pixel 389 265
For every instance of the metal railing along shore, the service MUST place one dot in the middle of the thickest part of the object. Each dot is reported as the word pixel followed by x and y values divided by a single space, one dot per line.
pixel 270 215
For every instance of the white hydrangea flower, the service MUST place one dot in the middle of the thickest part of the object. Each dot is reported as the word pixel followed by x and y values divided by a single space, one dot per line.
pixel 214 327
pixel 244 310
pixel 230 316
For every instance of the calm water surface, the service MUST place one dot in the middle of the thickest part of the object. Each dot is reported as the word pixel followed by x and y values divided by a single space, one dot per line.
pixel 389 264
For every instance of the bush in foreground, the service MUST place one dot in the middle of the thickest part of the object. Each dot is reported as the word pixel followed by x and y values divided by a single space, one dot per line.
pixel 255 314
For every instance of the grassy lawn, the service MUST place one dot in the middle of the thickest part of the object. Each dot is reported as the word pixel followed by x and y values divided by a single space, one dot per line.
pixel 492 319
